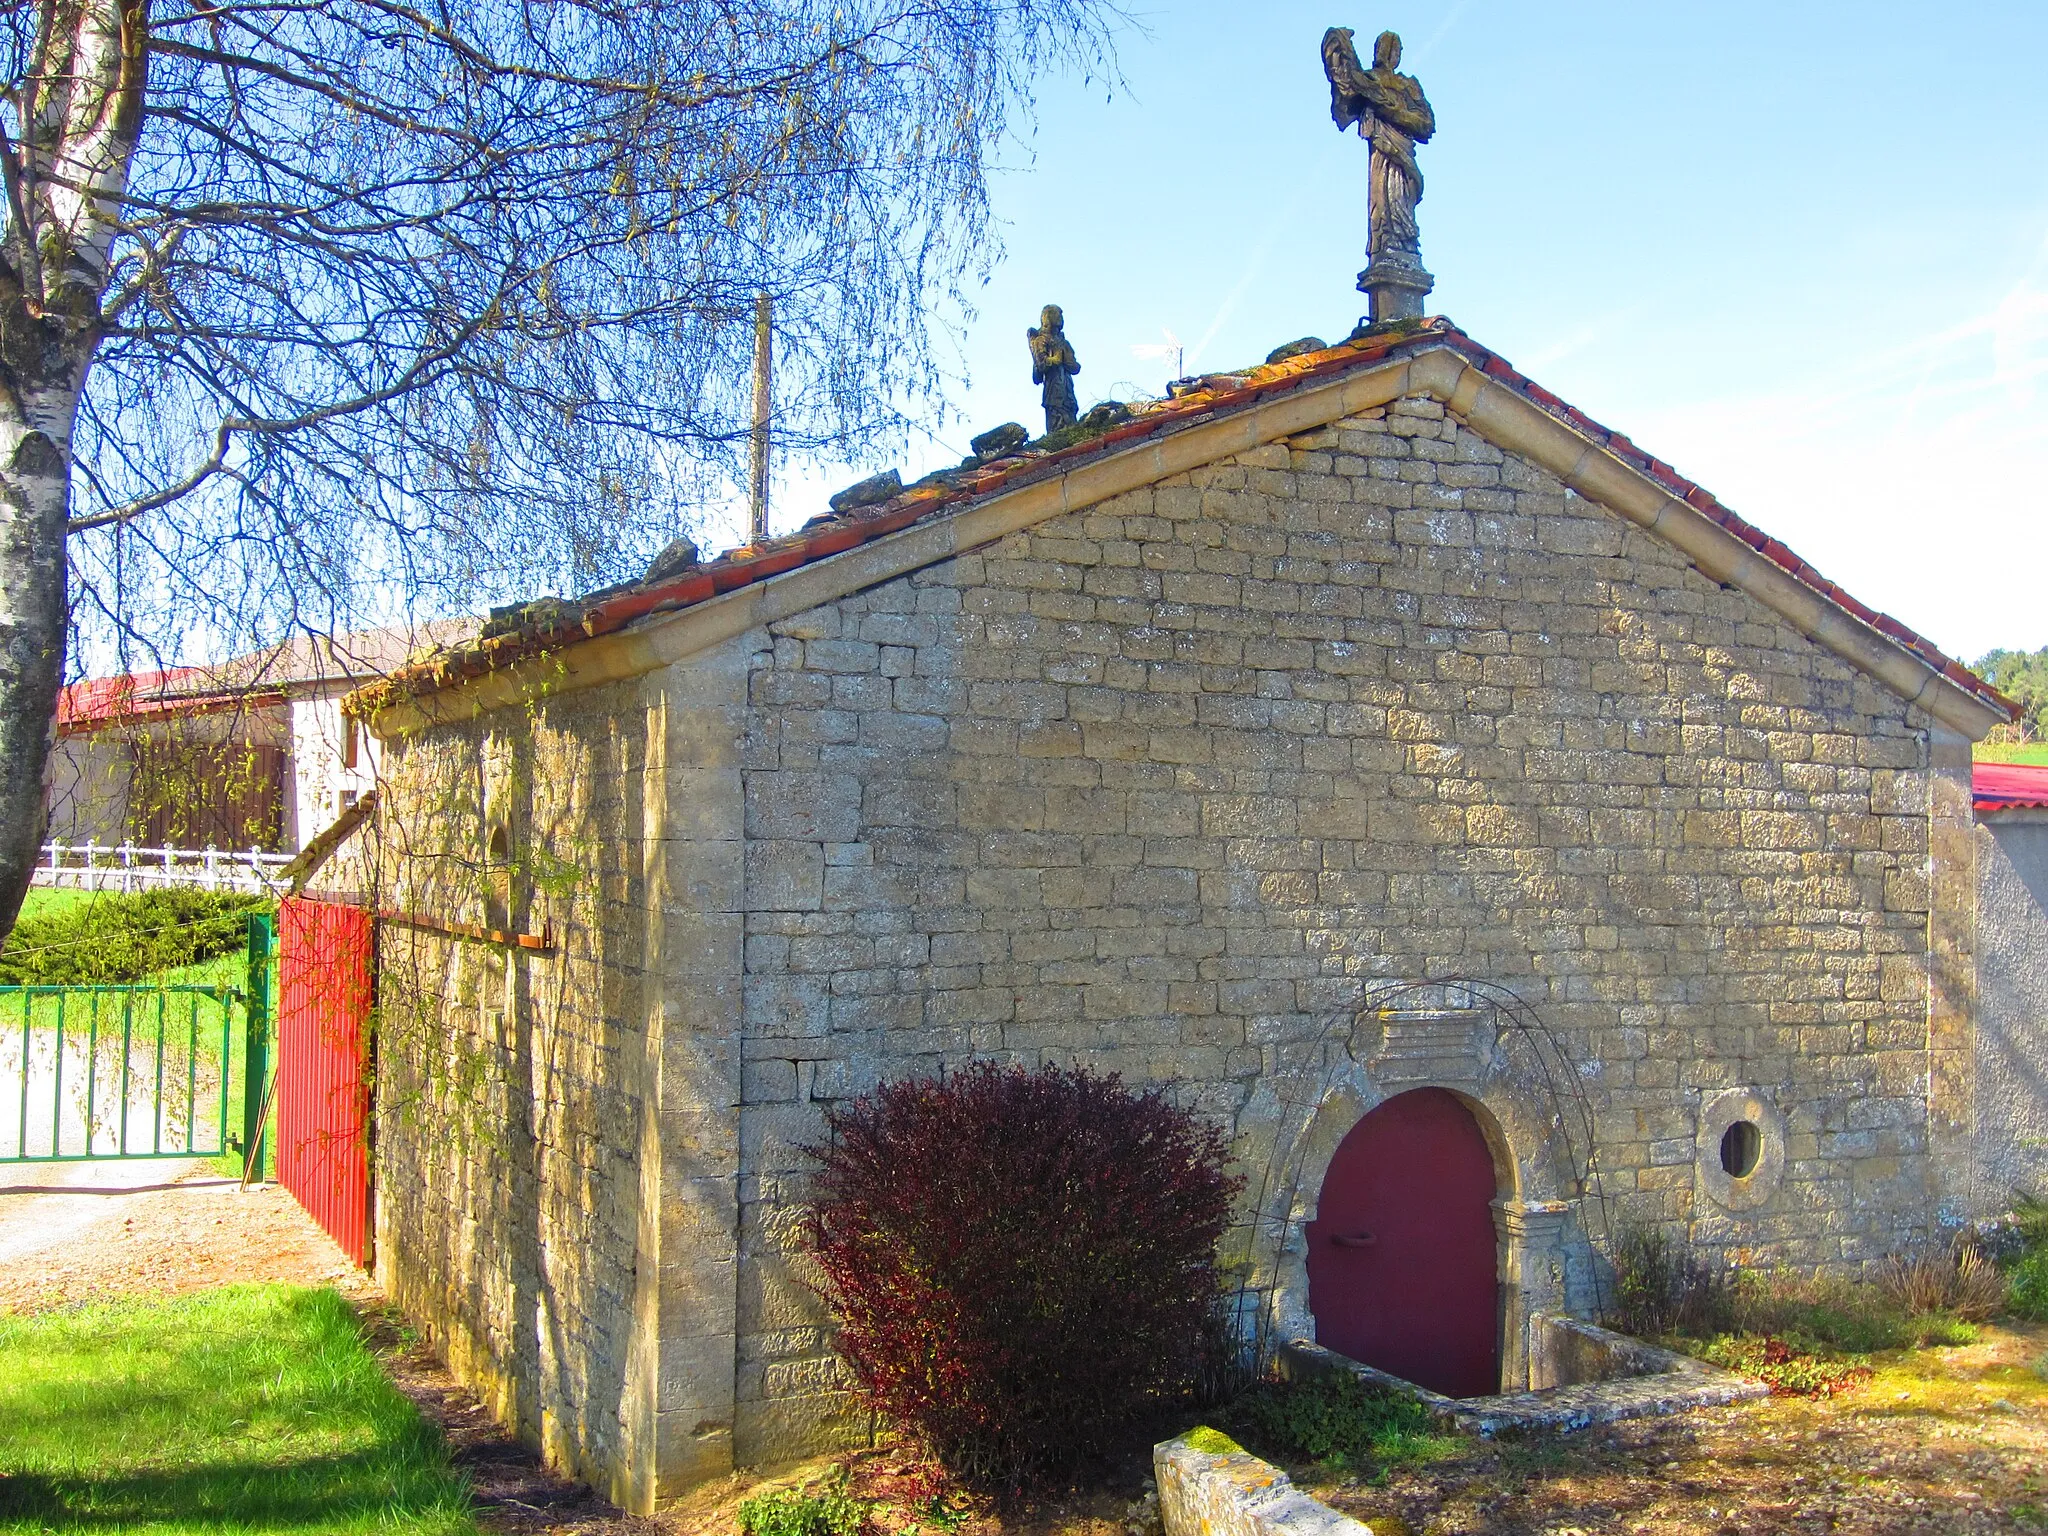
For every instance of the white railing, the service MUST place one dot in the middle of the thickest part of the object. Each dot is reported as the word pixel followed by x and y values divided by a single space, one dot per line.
pixel 92 866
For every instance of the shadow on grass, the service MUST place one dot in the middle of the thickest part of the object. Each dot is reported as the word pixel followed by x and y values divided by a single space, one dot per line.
pixel 248 1409
pixel 366 1491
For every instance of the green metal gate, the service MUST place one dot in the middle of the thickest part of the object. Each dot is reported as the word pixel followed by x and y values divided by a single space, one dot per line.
pixel 137 1070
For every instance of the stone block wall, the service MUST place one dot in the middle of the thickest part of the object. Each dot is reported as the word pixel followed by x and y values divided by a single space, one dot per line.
pixel 511 1084
pixel 1165 785
pixel 1168 786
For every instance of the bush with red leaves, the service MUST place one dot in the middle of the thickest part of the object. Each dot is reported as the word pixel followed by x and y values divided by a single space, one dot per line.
pixel 1020 1262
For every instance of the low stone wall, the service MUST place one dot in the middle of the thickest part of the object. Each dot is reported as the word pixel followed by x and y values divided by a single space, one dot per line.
pixel 1211 1486
pixel 1591 1376
pixel 1564 1352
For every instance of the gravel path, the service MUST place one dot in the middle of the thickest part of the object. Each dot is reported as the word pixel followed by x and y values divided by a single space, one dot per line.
pixel 79 1231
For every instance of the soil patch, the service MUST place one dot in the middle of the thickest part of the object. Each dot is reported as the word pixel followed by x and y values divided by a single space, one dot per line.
pixel 1954 1440
pixel 515 1495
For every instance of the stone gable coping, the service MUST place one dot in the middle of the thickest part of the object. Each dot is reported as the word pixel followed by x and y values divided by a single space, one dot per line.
pixel 638 631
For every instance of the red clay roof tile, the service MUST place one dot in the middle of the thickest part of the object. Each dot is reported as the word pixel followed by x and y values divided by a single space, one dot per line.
pixel 1216 394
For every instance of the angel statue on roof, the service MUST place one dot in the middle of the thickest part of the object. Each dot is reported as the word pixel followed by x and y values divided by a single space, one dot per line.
pixel 1053 365
pixel 1393 117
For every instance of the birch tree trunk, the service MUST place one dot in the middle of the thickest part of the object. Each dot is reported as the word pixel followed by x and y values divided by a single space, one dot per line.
pixel 77 118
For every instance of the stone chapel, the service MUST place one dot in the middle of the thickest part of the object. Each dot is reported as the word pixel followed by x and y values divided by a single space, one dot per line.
pixel 1498 836
pixel 1366 723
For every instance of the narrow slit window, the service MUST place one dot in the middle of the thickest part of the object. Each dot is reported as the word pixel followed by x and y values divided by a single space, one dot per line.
pixel 498 877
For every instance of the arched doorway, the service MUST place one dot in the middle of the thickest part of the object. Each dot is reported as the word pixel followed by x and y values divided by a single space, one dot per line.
pixel 1401 1256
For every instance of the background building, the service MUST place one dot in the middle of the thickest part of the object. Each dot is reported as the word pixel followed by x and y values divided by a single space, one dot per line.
pixel 252 753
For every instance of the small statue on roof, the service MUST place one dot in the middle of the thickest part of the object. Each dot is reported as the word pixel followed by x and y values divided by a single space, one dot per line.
pixel 1054 365
pixel 1393 116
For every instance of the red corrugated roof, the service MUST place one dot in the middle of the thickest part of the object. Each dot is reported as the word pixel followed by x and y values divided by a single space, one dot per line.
pixel 137 695
pixel 258 678
pixel 2009 787
pixel 566 623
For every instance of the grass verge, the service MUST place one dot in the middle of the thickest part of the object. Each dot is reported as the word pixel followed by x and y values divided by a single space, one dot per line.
pixel 253 1409
pixel 1806 1335
pixel 2033 754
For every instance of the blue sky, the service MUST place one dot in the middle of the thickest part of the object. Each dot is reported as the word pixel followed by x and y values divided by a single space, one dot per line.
pixel 1801 252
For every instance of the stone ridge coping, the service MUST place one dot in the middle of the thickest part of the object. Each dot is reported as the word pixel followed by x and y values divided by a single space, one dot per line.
pixel 629 633
pixel 1670 1383
pixel 1204 1492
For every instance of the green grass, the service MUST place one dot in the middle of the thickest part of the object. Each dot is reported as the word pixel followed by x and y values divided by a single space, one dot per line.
pixel 2028 1273
pixel 253 1409
pixel 2034 754
pixel 55 903
pixel 1338 1423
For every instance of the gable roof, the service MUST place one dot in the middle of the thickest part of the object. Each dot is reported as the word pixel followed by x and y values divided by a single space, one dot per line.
pixel 259 679
pixel 135 697
pixel 949 512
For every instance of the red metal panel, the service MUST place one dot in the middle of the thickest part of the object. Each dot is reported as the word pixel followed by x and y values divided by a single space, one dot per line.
pixel 323 1035
pixel 2010 786
pixel 1401 1266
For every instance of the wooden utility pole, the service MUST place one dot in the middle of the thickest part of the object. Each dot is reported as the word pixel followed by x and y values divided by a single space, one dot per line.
pixel 764 334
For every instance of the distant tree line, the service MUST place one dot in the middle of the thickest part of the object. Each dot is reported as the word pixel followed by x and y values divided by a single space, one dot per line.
pixel 2023 677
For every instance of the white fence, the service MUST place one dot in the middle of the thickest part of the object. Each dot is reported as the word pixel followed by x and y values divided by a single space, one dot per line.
pixel 125 867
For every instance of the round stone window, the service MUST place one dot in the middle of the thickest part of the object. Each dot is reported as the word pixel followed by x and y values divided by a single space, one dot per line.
pixel 1741 1144
pixel 1741 1148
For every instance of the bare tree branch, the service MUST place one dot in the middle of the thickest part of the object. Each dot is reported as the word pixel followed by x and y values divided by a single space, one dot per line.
pixel 316 312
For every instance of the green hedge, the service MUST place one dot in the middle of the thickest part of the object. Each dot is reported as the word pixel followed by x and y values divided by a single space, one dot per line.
pixel 116 937
pixel 2027 1271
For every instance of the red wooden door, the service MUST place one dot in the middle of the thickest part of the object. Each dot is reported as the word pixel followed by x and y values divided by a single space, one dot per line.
pixel 323 1037
pixel 1401 1270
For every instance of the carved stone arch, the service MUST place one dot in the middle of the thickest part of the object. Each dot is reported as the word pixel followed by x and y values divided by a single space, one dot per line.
pixel 1293 1130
